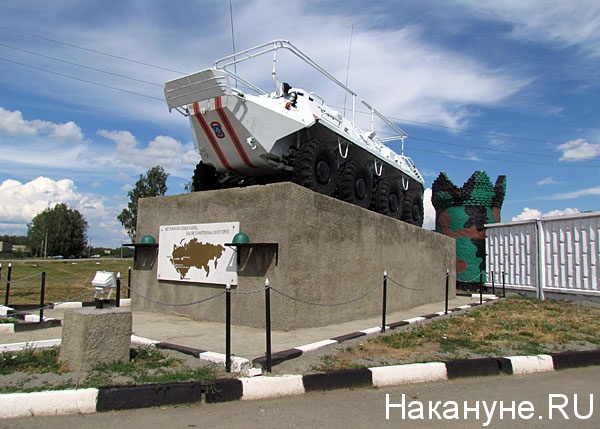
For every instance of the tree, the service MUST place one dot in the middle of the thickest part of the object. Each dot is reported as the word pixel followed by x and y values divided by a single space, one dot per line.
pixel 57 231
pixel 153 184
pixel 14 239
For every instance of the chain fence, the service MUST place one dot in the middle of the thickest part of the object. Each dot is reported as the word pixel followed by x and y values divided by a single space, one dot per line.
pixel 412 288
pixel 168 304
pixel 280 292
pixel 22 279
pixel 266 290
pixel 243 293
pixel 52 304
pixel 321 304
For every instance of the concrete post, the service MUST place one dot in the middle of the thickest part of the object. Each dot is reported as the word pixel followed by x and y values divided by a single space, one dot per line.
pixel 92 336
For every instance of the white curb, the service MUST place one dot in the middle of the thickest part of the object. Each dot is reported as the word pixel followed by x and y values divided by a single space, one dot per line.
pixel 35 318
pixel 65 305
pixel 531 364
pixel 141 341
pixel 315 346
pixel 373 330
pixel 406 374
pixel 272 387
pixel 50 403
pixel 7 328
pixel 484 296
pixel 414 320
pixel 42 344
pixel 238 364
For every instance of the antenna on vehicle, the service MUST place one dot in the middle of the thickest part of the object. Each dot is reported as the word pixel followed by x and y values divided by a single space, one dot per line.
pixel 348 68
pixel 232 37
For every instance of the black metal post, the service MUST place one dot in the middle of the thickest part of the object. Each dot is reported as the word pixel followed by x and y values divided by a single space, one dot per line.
pixel 8 284
pixel 268 322
pixel 228 328
pixel 118 299
pixel 503 286
pixel 43 297
pixel 384 305
pixel 447 288
pixel 129 282
pixel 493 285
pixel 481 287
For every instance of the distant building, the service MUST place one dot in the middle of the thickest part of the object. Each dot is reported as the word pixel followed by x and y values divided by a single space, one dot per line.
pixel 8 250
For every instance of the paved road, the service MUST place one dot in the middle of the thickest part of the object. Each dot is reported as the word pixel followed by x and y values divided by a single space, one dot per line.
pixel 534 407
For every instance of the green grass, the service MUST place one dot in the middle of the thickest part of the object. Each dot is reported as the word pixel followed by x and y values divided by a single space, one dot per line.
pixel 516 325
pixel 148 366
pixel 66 279
pixel 30 360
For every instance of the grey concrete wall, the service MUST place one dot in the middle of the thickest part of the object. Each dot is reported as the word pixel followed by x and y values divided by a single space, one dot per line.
pixel 329 252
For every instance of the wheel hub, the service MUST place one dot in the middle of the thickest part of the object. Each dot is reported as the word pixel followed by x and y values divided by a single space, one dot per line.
pixel 360 188
pixel 394 203
pixel 323 172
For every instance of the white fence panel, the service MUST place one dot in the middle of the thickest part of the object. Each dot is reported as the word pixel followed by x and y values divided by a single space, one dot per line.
pixel 574 248
pixel 559 254
pixel 512 249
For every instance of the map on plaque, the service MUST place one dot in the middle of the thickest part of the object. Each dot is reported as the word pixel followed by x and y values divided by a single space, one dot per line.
pixel 197 253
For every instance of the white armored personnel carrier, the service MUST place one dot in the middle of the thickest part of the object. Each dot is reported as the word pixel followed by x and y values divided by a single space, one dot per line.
pixel 257 137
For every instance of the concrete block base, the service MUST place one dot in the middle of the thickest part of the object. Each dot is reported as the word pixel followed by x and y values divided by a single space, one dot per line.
pixel 92 336
pixel 330 252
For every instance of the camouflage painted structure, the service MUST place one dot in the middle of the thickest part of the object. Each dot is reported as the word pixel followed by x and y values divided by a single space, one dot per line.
pixel 461 213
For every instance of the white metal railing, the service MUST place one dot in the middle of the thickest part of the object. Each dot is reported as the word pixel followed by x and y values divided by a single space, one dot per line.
pixel 230 61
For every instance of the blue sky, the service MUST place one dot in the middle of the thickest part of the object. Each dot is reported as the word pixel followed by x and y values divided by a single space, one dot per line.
pixel 508 87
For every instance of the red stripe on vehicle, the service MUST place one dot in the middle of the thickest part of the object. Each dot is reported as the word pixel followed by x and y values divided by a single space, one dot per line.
pixel 236 141
pixel 211 138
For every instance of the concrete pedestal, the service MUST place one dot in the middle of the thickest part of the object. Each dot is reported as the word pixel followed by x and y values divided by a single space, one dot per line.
pixel 329 252
pixel 92 336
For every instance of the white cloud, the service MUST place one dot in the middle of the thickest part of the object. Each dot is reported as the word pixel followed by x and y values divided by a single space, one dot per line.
pixel 429 211
pixel 31 198
pixel 395 70
pixel 528 213
pixel 39 145
pixel 572 23
pixel 67 131
pixel 547 181
pixel 576 194
pixel 579 150
pixel 565 212
pixel 166 151
pixel 418 87
pixel 467 156
pixel 13 124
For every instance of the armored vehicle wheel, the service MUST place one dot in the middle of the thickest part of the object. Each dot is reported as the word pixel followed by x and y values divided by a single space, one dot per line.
pixel 389 198
pixel 355 184
pixel 315 167
pixel 413 207
pixel 205 178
